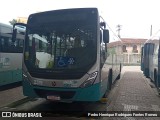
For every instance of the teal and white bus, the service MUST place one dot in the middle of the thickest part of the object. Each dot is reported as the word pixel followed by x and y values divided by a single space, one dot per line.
pixel 65 56
pixel 151 59
pixel 10 55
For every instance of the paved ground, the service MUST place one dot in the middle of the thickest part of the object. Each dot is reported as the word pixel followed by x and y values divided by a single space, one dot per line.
pixel 10 95
pixel 133 93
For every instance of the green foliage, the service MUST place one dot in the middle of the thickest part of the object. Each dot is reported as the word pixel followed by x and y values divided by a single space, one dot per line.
pixel 111 51
pixel 12 22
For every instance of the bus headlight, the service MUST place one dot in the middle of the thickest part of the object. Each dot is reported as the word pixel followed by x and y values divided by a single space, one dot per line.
pixel 90 80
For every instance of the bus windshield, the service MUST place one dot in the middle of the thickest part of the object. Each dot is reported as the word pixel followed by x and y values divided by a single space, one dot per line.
pixel 61 45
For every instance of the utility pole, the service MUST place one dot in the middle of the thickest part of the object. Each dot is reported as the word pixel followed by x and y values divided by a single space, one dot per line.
pixel 119 29
pixel 151 31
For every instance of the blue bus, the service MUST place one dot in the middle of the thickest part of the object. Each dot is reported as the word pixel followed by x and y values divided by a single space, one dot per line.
pixel 151 59
pixel 10 55
pixel 142 58
pixel 65 56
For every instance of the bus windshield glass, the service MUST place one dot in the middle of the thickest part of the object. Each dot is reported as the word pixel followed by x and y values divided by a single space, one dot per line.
pixel 62 42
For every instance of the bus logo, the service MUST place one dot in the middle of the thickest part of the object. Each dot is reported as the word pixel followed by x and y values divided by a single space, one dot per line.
pixel 4 62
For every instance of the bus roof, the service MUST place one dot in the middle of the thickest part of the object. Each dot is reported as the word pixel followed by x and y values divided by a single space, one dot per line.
pixel 70 9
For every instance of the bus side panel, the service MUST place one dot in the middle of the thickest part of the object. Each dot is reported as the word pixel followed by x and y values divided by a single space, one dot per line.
pixel 11 68
pixel 158 80
pixel 5 77
pixel 142 59
pixel 104 78
pixel 156 65
pixel 28 89
pixel 151 61
pixel 146 60
pixel 11 76
pixel 17 75
pixel 114 68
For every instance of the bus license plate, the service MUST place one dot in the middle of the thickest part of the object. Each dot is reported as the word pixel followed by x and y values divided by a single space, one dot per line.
pixel 53 97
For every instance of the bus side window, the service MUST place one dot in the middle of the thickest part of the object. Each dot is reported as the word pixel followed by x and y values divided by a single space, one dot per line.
pixel 18 48
pixel 21 45
pixel 0 45
pixel 6 45
pixel 11 46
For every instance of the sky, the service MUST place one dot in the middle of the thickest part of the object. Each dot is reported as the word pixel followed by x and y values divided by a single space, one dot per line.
pixel 134 16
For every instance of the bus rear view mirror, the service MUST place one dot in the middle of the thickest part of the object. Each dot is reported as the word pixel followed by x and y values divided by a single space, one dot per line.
pixel 106 36
pixel 14 35
pixel 100 36
pixel 19 25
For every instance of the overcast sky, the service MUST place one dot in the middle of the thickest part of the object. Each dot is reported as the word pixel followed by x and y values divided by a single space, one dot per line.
pixel 135 16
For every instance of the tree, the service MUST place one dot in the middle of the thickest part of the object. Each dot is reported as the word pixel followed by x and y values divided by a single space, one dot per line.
pixel 12 22
pixel 111 51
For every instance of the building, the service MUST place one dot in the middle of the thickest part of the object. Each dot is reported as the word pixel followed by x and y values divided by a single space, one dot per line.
pixel 130 48
pixel 22 19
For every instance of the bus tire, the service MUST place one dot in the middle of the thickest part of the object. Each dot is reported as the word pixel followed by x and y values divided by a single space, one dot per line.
pixel 155 77
pixel 109 85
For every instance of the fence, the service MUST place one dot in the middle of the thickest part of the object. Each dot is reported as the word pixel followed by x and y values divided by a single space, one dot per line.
pixel 131 58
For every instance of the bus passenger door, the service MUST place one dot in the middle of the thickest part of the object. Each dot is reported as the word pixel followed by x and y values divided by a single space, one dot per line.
pixel 146 59
pixel 151 56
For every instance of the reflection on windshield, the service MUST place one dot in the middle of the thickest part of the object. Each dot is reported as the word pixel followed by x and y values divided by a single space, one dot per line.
pixel 50 49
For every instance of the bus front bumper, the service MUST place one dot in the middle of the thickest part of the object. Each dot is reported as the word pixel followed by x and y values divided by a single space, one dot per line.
pixel 90 94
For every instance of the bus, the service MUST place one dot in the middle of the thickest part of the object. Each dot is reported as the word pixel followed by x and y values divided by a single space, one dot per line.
pixel 142 58
pixel 10 55
pixel 65 56
pixel 151 59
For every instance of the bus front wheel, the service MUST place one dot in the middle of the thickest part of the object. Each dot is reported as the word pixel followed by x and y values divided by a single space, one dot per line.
pixel 155 77
pixel 109 84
